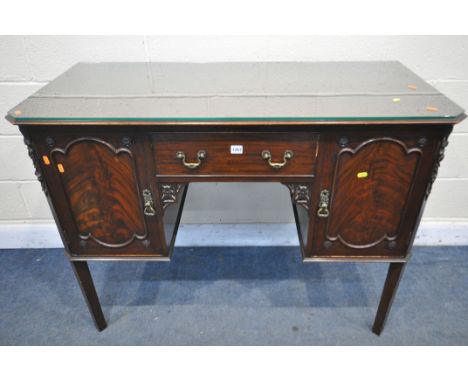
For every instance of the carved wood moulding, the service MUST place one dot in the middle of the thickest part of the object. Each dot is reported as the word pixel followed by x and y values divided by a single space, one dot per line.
pixel 169 194
pixel 440 157
pixel 300 194
pixel 37 168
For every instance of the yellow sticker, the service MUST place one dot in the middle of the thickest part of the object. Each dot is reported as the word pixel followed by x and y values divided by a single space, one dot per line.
pixel 396 100
pixel 60 168
pixel 362 174
pixel 46 160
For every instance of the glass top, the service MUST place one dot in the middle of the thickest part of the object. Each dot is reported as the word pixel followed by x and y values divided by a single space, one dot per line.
pixel 248 91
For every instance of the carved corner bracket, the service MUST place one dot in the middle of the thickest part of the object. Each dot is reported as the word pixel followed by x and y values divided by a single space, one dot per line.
pixel 35 160
pixel 169 194
pixel 300 194
pixel 443 144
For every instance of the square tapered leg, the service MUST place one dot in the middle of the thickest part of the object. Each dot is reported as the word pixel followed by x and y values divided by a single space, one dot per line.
pixel 394 274
pixel 85 280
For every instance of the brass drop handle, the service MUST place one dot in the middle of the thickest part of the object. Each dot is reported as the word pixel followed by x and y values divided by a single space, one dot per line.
pixel 148 203
pixel 200 156
pixel 288 154
pixel 322 211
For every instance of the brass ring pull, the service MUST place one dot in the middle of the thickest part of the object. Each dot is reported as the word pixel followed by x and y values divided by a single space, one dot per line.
pixel 288 154
pixel 200 156
pixel 323 211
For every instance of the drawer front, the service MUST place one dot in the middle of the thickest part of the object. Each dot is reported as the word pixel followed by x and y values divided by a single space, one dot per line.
pixel 235 154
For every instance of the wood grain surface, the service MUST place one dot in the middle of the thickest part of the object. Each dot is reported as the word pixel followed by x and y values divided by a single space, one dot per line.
pixel 219 161
pixel 103 194
pixel 368 209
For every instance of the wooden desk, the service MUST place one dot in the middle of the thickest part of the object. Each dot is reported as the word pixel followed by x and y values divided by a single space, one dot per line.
pixel 358 144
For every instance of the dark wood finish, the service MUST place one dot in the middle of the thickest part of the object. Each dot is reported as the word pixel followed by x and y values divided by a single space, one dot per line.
pixel 100 182
pixel 366 210
pixel 173 204
pixel 220 162
pixel 302 224
pixel 99 207
pixel 83 275
pixel 114 151
pixel 98 196
pixel 395 271
pixel 374 216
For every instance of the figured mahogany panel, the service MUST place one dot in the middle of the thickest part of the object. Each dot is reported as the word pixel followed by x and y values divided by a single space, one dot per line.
pixel 371 188
pixel 102 191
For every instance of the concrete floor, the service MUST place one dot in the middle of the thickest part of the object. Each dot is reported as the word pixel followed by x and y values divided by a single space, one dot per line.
pixel 233 296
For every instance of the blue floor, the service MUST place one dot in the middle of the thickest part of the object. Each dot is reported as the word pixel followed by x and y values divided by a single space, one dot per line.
pixel 233 296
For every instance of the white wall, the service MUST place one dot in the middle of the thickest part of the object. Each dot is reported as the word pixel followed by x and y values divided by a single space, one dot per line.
pixel 27 63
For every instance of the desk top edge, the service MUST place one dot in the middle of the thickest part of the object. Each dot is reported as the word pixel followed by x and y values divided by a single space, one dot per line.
pixel 377 92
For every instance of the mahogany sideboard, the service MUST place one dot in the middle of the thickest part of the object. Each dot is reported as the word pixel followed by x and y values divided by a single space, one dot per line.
pixel 358 145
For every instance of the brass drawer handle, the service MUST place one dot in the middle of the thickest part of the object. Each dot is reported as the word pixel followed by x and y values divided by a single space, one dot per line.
pixel 322 211
pixel 148 203
pixel 288 154
pixel 200 156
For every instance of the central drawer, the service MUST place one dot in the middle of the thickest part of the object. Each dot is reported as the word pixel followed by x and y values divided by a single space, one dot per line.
pixel 235 154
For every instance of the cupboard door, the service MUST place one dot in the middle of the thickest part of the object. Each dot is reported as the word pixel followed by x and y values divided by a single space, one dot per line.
pixel 373 196
pixel 104 192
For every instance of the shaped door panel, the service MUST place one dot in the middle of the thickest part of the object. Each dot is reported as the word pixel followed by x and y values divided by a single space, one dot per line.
pixel 371 187
pixel 96 185
pixel 101 186
pixel 376 188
